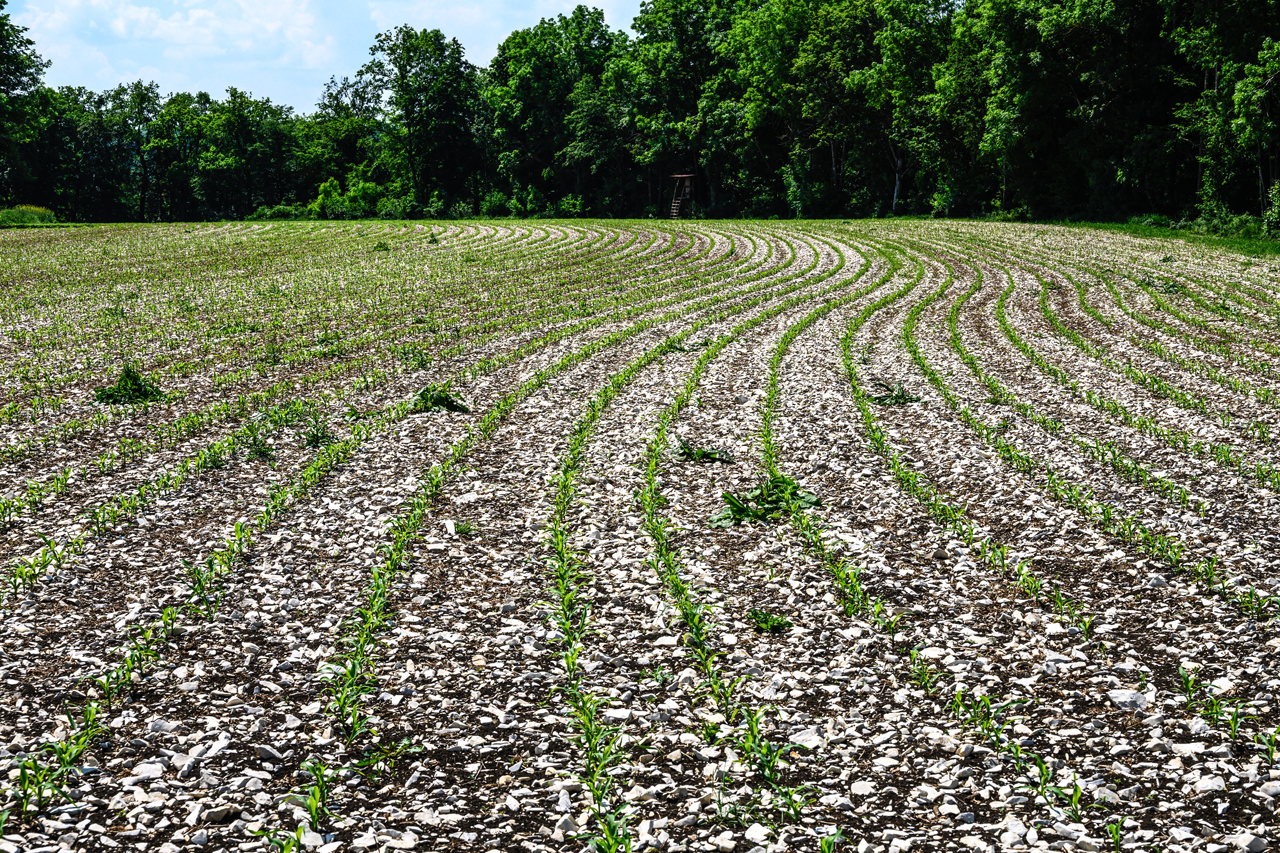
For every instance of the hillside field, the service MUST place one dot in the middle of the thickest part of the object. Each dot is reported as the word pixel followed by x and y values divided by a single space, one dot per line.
pixel 701 536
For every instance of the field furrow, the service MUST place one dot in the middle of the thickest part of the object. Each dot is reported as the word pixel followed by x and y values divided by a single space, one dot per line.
pixel 556 536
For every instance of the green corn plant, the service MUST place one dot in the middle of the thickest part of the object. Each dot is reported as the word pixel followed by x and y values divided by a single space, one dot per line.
pixel 1237 717
pixel 203 596
pixel 1072 800
pixel 1116 833
pixel 281 841
pixel 1028 580
pixel 765 756
pixel 791 801
pixel 923 673
pixel 1040 782
pixel 316 432
pixel 1189 680
pixel 1061 603
pixel 35 785
pixel 258 448
pixel 1269 742
pixel 828 843
pixel 1212 710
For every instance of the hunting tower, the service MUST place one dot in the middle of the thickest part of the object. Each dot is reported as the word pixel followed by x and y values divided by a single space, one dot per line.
pixel 683 196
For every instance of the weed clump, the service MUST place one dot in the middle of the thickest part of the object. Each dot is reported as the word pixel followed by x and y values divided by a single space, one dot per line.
pixel 131 387
pixel 893 395
pixel 689 453
pixel 768 623
pixel 769 501
pixel 436 397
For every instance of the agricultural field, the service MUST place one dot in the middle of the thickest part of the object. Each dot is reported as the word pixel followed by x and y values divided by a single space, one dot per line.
pixel 670 536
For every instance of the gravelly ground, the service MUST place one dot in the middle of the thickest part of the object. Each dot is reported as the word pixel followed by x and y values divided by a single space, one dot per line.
pixel 1094 742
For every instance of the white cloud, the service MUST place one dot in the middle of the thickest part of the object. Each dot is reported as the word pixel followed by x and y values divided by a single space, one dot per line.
pixel 282 49
pixel 481 27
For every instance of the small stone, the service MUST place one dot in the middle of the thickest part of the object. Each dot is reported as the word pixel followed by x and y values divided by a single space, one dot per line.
pixel 756 834
pixel 809 738
pixel 407 841
pixel 1210 783
pixel 1128 700
pixel 724 842
pixel 199 838
pixel 218 814
pixel 268 753
pixel 1248 841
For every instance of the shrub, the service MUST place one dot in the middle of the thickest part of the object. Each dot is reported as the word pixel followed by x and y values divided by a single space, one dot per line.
pixel 360 201
pixel 395 208
pixel 569 207
pixel 27 214
pixel 496 203
pixel 434 208
pixel 279 212
pixel 1271 219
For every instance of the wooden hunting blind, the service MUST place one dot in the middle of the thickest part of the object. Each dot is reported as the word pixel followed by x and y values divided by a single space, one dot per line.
pixel 682 198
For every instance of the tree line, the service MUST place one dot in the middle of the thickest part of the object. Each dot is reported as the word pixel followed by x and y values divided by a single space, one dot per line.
pixel 1046 109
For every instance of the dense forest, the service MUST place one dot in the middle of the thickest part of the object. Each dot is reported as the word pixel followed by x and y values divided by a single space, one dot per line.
pixel 1097 109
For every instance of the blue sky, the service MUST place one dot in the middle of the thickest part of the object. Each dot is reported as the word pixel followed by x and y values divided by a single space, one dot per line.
pixel 281 49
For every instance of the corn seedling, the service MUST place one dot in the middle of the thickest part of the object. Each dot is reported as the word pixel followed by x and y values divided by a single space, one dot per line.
pixel 1269 743
pixel 316 432
pixel 1189 684
pixel 923 673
